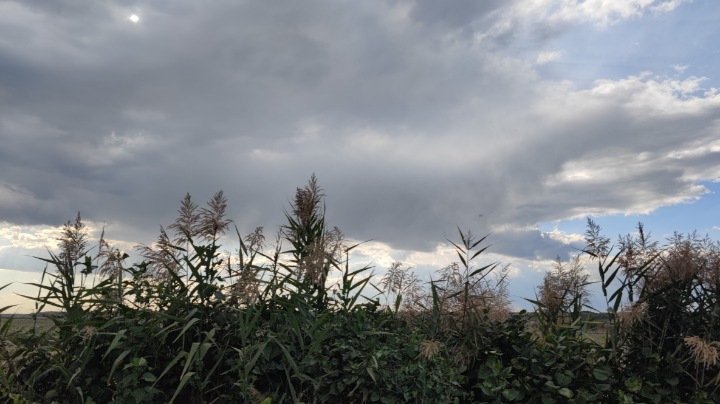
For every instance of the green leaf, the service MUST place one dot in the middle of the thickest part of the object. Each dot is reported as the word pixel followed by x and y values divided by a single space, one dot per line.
pixel 457 246
pixel 170 365
pixel 566 392
pixel 6 326
pixel 512 394
pixel 479 252
pixel 602 374
pixel 563 380
pixel 193 349
pixel 117 362
pixel 181 385
pixel 477 271
pixel 149 377
pixel 617 302
pixel 290 359
pixel 260 348
pixel 479 241
pixel 484 372
pixel 114 342
pixel 535 302
pixel 611 278
pixel 372 374
pixel 188 325
pixel 462 259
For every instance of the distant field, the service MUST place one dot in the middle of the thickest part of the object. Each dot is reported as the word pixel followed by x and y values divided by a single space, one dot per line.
pixel 43 323
pixel 596 337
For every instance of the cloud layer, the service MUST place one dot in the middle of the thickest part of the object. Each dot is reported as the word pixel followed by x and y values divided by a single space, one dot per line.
pixel 410 114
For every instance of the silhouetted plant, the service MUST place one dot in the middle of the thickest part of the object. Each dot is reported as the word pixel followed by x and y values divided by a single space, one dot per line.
pixel 564 292
pixel 193 325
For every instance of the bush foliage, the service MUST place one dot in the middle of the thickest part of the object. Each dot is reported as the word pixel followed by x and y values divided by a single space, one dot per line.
pixel 194 324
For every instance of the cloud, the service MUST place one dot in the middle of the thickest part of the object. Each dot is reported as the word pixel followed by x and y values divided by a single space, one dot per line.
pixel 29 237
pixel 679 68
pixel 595 11
pixel 546 57
pixel 668 6
pixel 547 18
pixel 565 238
pixel 411 124
pixel 18 237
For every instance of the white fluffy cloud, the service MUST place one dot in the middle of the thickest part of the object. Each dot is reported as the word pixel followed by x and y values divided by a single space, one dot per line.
pixel 593 11
pixel 29 237
pixel 546 57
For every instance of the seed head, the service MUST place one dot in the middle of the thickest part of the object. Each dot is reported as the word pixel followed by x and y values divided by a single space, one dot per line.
pixel 429 349
pixel 703 352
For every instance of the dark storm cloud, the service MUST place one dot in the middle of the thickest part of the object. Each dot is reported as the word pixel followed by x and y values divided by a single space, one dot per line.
pixel 412 124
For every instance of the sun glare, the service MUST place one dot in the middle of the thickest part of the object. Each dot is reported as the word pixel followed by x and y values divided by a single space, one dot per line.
pixel 134 18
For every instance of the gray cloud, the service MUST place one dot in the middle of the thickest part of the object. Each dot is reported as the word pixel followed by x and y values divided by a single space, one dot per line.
pixel 412 125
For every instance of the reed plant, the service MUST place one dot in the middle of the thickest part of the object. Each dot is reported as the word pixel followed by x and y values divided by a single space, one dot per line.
pixel 297 323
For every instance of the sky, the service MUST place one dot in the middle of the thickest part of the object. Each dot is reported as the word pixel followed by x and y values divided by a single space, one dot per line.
pixel 515 118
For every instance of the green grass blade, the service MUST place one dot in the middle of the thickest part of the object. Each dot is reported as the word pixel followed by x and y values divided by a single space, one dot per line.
pixel 183 381
pixel 117 362
pixel 188 362
pixel 170 365
pixel 187 326
pixel 480 252
pixel 477 271
pixel 114 342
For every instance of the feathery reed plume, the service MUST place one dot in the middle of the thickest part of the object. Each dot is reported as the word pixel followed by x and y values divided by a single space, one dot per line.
pixel 187 222
pixel 495 289
pixel 212 219
pixel 702 352
pixel 483 292
pixel 109 259
pixel 597 244
pixel 255 241
pixel 637 250
pixel 631 313
pixel 335 244
pixel 87 332
pixel 160 255
pixel 401 281
pixel 306 205
pixel 243 271
pixel 563 288
pixel 314 248
pixel 429 349
pixel 73 242
pixel 692 256
pixel 319 254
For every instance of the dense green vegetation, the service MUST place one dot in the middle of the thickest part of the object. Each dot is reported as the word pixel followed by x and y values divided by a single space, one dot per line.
pixel 192 324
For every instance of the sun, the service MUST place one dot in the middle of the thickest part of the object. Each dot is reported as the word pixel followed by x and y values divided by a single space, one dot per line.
pixel 134 18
